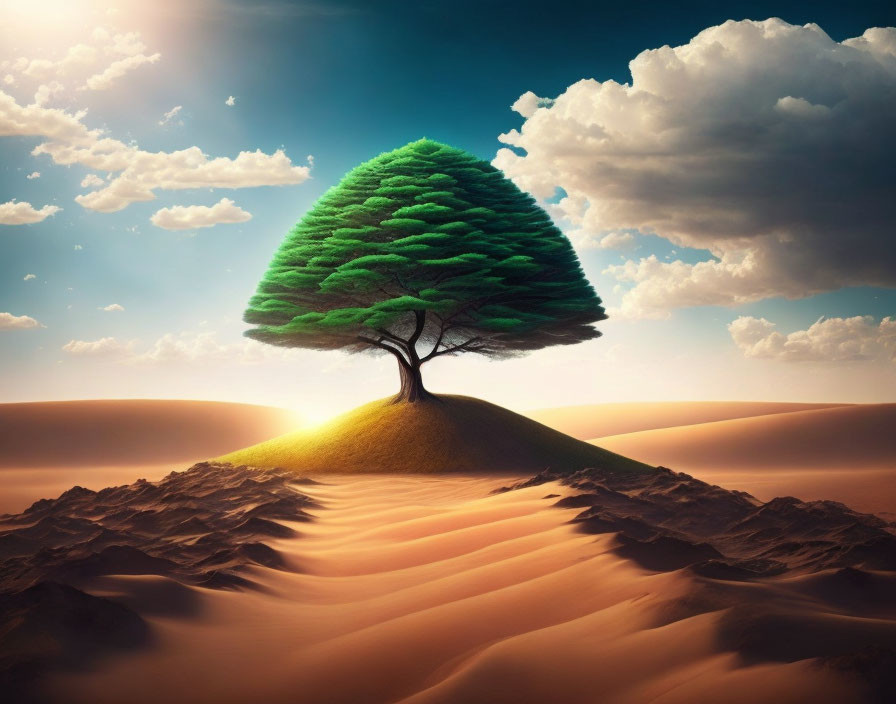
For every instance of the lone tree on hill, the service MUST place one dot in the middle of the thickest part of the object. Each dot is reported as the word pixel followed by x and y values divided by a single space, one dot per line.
pixel 422 252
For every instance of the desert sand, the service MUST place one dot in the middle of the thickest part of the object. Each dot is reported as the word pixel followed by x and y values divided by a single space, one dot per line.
pixel 847 453
pixel 621 584
pixel 605 419
pixel 435 589
pixel 46 447
pixel 137 431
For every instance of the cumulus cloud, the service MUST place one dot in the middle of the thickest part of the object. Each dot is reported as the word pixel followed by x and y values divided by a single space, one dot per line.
pixel 8 321
pixel 617 240
pixel 117 69
pixel 91 180
pixel 113 307
pixel 33 175
pixel 46 91
pixel 28 277
pixel 133 174
pixel 826 340
pixel 76 57
pixel 170 115
pixel 189 217
pixel 108 347
pixel 136 173
pixel 528 103
pixel 22 213
pixel 140 172
pixel 231 101
pixel 768 144
pixel 78 247
pixel 181 348
pixel 36 121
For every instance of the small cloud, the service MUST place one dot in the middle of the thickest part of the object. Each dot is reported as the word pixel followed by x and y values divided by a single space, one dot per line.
pixel 22 213
pixel 231 101
pixel 112 307
pixel 28 277
pixel 617 240
pixel 91 180
pixel 8 321
pixel 46 92
pixel 826 340
pixel 33 175
pixel 103 347
pixel 528 103
pixel 310 159
pixel 9 79
pixel 117 69
pixel 170 115
pixel 188 217
pixel 78 248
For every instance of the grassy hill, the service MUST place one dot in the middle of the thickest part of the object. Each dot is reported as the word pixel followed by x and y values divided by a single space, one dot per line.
pixel 445 434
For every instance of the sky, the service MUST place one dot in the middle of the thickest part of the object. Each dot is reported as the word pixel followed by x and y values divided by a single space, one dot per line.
pixel 724 171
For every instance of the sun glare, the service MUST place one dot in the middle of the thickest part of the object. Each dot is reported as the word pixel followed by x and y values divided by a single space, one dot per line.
pixel 314 417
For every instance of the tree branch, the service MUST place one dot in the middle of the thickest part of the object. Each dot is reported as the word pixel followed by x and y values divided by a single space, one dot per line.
pixel 463 347
pixel 392 350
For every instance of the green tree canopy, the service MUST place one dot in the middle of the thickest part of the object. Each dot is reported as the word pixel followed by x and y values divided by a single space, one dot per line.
pixel 422 252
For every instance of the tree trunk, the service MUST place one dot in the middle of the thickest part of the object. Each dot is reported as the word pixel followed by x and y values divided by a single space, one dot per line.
pixel 412 390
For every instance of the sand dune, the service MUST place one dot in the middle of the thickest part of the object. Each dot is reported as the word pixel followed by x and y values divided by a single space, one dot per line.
pixel 47 447
pixel 846 453
pixel 132 432
pixel 601 420
pixel 435 589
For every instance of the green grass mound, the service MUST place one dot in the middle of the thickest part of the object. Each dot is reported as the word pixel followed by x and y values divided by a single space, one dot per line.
pixel 443 434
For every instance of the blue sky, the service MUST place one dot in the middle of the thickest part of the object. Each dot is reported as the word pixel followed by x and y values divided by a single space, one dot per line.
pixel 341 82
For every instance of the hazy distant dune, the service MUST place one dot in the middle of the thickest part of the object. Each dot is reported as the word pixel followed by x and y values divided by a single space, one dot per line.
pixel 601 420
pixel 845 453
pixel 119 432
pixel 846 436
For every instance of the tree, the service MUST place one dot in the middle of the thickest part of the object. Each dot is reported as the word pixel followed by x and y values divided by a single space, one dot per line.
pixel 423 252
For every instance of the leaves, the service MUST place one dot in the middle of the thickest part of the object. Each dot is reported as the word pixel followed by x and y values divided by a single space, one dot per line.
pixel 430 244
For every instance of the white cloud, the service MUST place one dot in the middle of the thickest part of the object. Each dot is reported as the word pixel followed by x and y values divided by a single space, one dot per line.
pixel 183 348
pixel 78 247
pixel 9 79
pixel 108 347
pixel 189 217
pixel 142 172
pixel 28 277
pixel 767 144
pixel 117 69
pixel 826 340
pixel 734 279
pixel 46 91
pixel 113 307
pixel 617 240
pixel 91 180
pixel 528 103
pixel 132 174
pixel 170 115
pixel 127 44
pixel 231 101
pixel 8 321
pixel 78 56
pixel 36 121
pixel 33 175
pixel 22 213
